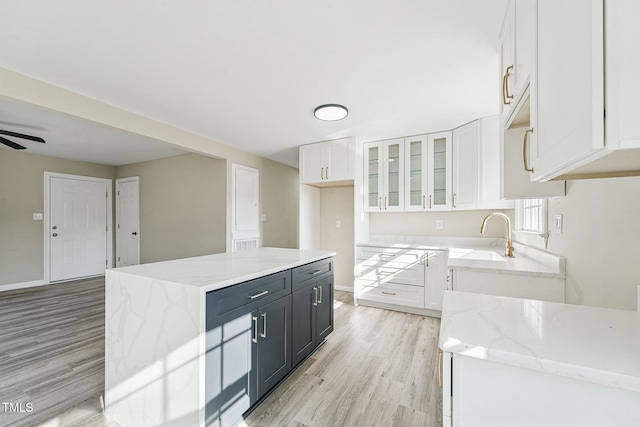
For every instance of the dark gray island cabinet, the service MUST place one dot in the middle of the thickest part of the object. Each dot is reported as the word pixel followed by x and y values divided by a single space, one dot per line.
pixel 201 341
pixel 258 332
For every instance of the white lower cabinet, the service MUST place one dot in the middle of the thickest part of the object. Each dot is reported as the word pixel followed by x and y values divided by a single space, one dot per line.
pixel 481 392
pixel 393 277
pixel 509 285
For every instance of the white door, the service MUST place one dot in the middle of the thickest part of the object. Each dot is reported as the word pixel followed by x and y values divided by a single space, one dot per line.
pixel 245 207
pixel 127 222
pixel 78 228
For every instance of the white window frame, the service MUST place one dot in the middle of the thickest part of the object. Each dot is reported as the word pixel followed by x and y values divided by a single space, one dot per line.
pixel 532 229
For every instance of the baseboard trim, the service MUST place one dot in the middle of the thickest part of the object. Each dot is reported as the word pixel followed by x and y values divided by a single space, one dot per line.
pixel 22 285
pixel 343 288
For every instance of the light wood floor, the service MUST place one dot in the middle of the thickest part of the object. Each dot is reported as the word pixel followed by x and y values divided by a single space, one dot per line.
pixel 378 367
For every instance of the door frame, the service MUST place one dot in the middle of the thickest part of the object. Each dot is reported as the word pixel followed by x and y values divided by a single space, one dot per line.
pixel 135 179
pixel 47 217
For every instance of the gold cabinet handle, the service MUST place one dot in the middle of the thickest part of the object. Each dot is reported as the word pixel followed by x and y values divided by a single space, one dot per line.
pixel 525 146
pixel 385 203
pixel 321 173
pixel 379 203
pixel 388 293
pixel 423 201
pixel 505 86
pixel 440 368
pixel 264 325
pixel 454 200
pixel 430 205
pixel 326 172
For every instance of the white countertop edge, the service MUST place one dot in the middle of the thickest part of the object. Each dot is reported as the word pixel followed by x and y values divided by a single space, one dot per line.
pixel 552 367
pixel 201 280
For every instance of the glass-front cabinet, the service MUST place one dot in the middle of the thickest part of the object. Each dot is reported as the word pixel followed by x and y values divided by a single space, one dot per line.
pixel 428 175
pixel 384 171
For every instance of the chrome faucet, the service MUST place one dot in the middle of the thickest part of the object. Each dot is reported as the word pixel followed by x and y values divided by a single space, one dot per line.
pixel 509 251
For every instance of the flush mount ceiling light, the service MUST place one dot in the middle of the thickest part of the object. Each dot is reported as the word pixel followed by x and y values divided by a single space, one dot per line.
pixel 331 112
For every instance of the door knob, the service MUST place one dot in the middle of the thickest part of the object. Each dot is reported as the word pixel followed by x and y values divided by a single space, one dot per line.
pixel 54 227
pixel 55 234
pixel 135 233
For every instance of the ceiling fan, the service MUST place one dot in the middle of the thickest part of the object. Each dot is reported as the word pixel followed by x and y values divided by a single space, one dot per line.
pixel 15 145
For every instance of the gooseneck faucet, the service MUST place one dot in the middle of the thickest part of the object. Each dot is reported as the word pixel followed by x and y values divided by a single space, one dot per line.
pixel 509 251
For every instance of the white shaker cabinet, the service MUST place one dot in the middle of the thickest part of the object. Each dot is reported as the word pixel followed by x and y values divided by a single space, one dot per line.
pixel 327 163
pixel 567 90
pixel 428 172
pixel 384 176
pixel 516 53
pixel 435 271
pixel 476 174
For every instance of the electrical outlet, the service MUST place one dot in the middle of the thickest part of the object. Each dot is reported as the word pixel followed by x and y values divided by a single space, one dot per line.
pixel 338 223
pixel 557 224
pixel 37 217
pixel 439 224
pixel 263 217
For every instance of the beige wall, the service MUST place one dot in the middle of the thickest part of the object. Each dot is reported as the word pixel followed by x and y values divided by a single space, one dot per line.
pixel 456 224
pixel 601 241
pixel 279 198
pixel 336 203
pixel 21 195
pixel 182 206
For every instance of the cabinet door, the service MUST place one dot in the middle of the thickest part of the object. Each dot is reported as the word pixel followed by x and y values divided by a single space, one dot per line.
pixel 324 309
pixel 303 323
pixel 439 171
pixel 393 167
pixel 373 177
pixel 229 386
pixel 523 33
pixel 415 177
pixel 311 167
pixel 465 166
pixel 274 344
pixel 506 64
pixel 567 90
pixel 338 161
pixel 435 278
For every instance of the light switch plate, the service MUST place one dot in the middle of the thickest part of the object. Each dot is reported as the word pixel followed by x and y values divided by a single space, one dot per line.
pixel 37 217
pixel 439 224
pixel 263 217
pixel 338 223
pixel 557 224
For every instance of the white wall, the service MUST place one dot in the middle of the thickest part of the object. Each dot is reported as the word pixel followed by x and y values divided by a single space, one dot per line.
pixel 336 204
pixel 601 241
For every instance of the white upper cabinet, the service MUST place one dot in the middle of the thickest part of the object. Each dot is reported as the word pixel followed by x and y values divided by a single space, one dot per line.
pixel 428 172
pixel 327 163
pixel 516 54
pixel 567 92
pixel 476 171
pixel 384 176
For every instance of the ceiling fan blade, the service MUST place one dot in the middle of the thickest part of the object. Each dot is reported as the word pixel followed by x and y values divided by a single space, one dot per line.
pixel 21 135
pixel 11 144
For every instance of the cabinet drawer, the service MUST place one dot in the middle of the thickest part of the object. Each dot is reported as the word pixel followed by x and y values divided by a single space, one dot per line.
pixel 386 254
pixel 391 293
pixel 308 273
pixel 391 272
pixel 246 296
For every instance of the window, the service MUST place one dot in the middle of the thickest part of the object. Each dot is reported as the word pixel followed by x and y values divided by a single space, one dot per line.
pixel 531 215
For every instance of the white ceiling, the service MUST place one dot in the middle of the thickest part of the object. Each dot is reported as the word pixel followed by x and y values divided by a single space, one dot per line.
pixel 249 73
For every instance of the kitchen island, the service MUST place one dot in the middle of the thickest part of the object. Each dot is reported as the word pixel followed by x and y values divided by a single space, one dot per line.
pixel 162 318
pixel 510 361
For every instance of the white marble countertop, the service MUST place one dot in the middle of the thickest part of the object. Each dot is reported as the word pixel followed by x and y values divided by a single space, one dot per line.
pixel 481 254
pixel 585 343
pixel 211 272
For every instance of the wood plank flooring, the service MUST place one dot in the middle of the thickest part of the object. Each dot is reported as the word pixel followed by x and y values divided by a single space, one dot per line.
pixel 378 368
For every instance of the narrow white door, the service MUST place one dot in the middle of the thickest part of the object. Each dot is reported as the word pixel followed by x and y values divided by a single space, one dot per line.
pixel 127 222
pixel 245 207
pixel 78 228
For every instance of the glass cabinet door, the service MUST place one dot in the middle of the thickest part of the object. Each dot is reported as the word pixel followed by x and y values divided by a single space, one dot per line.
pixel 373 184
pixel 415 178
pixel 440 171
pixel 393 198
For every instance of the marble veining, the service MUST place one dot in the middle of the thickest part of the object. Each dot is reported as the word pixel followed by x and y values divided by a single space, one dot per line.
pixel 586 343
